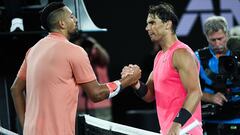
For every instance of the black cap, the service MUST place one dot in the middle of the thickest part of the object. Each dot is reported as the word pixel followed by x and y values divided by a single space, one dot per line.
pixel 47 10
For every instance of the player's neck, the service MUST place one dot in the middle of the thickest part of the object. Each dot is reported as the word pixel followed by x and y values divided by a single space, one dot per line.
pixel 168 42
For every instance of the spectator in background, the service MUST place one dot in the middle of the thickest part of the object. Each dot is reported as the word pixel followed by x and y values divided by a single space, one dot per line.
pixel 219 92
pixel 99 60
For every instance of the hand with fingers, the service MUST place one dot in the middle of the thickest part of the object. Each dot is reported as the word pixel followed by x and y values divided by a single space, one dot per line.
pixel 132 71
pixel 218 98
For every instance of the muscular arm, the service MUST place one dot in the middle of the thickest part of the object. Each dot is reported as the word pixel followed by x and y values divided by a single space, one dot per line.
pixel 17 91
pixel 186 65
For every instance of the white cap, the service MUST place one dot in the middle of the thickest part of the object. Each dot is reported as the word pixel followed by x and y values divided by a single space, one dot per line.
pixel 17 23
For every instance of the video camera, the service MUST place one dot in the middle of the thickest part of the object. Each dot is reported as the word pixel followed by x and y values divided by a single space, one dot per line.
pixel 229 77
pixel 229 66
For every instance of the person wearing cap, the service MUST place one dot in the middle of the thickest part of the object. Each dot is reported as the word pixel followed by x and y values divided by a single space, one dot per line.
pixel 45 91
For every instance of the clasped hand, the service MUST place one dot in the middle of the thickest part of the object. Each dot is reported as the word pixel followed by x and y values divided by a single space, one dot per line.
pixel 133 71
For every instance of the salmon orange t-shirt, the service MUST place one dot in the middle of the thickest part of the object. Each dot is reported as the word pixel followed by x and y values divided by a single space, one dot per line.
pixel 169 90
pixel 53 69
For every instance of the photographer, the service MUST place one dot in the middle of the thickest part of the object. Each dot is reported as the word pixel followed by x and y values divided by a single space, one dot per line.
pixel 220 94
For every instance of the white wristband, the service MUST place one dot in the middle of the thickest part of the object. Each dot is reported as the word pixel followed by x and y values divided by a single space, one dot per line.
pixel 116 91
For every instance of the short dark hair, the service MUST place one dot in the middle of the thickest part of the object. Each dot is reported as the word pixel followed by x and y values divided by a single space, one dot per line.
pixel 48 10
pixel 165 12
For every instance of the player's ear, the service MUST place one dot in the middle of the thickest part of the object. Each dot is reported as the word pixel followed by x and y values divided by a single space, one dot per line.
pixel 169 24
pixel 62 24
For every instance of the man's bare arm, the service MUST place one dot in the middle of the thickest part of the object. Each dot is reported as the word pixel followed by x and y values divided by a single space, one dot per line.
pixel 187 66
pixel 17 91
pixel 98 92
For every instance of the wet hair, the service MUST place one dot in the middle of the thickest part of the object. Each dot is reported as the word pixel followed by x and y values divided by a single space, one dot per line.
pixel 165 12
pixel 47 14
pixel 214 24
